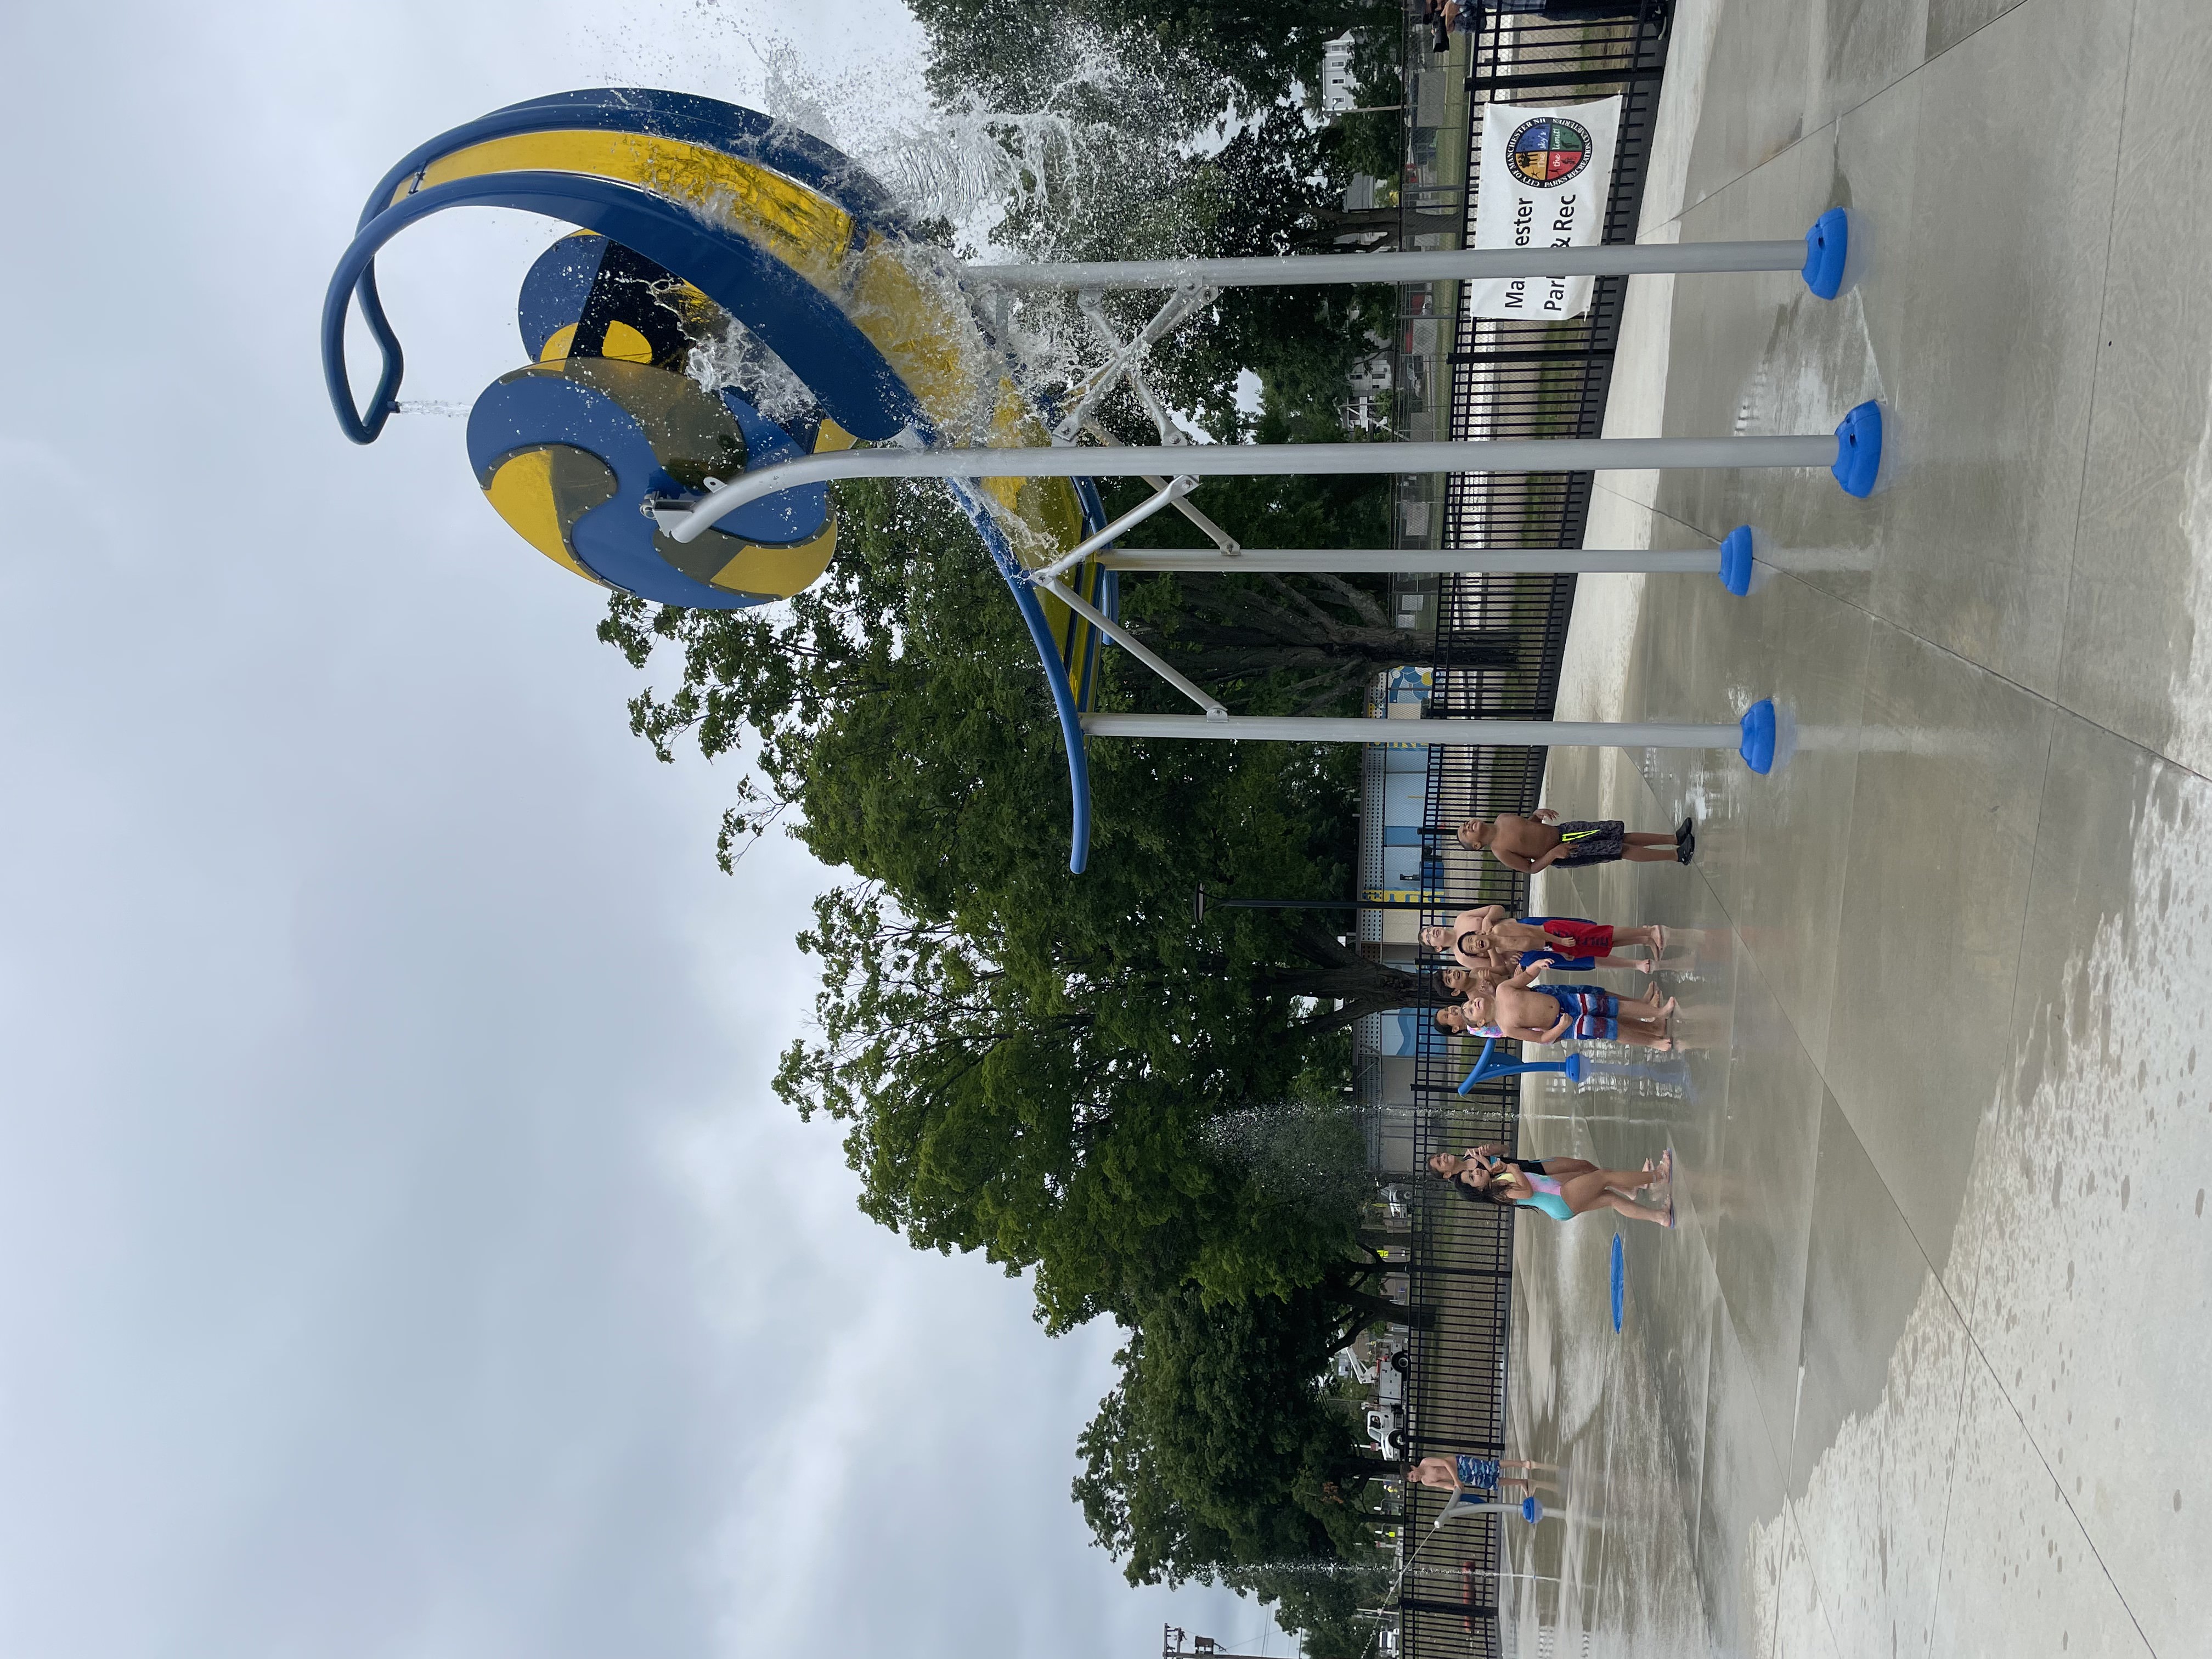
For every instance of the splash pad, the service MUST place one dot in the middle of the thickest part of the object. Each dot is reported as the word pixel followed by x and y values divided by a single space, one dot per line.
pixel 879 357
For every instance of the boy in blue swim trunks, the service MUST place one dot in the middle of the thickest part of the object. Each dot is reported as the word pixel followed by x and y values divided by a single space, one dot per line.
pixel 1474 1474
pixel 1526 1012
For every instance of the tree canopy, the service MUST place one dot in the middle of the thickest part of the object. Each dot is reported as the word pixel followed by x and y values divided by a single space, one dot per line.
pixel 1022 1057
pixel 1224 1456
pixel 1045 1068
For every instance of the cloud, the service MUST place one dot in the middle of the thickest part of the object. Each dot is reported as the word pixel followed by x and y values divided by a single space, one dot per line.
pixel 400 1249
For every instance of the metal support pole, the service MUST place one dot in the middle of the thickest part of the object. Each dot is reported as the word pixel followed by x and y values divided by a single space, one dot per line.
pixel 1202 902
pixel 1215 714
pixel 1207 527
pixel 1167 494
pixel 1420 560
pixel 686 520
pixel 1325 904
pixel 1441 265
pixel 1587 734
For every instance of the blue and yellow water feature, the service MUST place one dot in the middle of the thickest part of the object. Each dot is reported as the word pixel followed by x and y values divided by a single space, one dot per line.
pixel 692 215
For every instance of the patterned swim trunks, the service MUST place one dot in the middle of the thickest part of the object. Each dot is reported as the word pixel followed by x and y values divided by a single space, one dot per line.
pixel 1480 1472
pixel 1592 840
pixel 1595 1013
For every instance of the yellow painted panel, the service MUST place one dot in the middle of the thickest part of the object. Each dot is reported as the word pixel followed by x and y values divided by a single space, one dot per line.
pixel 780 572
pixel 521 492
pixel 803 229
pixel 920 333
pixel 625 344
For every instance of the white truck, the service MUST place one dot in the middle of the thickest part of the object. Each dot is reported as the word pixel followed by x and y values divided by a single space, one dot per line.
pixel 1386 1429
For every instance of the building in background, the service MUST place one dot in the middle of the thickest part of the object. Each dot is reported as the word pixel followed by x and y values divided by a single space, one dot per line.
pixel 1338 93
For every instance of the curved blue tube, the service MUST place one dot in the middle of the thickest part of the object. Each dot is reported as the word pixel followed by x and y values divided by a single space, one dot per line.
pixel 684 117
pixel 1055 677
pixel 855 384
pixel 798 322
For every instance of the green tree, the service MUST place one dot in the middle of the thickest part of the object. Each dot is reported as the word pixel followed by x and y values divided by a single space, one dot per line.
pixel 1253 51
pixel 1023 1058
pixel 1294 644
pixel 1223 1457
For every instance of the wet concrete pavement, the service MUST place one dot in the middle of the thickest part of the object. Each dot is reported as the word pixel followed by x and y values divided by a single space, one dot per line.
pixel 1919 1371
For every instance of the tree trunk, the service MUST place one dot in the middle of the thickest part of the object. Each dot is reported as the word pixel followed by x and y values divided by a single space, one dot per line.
pixel 1342 974
pixel 1391 224
pixel 1229 630
pixel 1229 654
pixel 1414 1316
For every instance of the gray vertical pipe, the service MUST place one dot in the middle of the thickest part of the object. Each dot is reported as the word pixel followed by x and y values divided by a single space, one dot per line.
pixel 1440 265
pixel 1273 728
pixel 1420 560
pixel 687 522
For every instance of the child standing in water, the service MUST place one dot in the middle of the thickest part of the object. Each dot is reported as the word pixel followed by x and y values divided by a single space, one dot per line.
pixel 1541 840
pixel 1562 1188
pixel 1525 1012
pixel 1486 934
pixel 1473 1474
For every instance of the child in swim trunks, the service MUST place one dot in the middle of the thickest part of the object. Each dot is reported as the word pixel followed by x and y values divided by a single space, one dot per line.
pixel 1541 840
pixel 1471 1472
pixel 1485 935
pixel 1528 1013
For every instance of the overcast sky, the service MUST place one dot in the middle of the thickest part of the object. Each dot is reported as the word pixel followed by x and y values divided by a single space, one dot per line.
pixel 400 1250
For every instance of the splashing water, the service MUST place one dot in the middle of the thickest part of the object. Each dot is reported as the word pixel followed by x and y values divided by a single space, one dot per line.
pixel 1313 1151
pixel 738 361
pixel 1619 1120
pixel 1373 1635
pixel 971 166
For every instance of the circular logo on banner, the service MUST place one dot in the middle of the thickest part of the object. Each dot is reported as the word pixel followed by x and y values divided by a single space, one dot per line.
pixel 1548 151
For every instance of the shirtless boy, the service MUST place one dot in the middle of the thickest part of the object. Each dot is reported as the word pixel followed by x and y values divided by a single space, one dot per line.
pixel 1541 840
pixel 1524 1012
pixel 1487 935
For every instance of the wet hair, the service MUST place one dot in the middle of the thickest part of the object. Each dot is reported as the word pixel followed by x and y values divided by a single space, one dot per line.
pixel 1472 1193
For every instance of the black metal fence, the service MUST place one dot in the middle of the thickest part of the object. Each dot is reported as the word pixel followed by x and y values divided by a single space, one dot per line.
pixel 1507 379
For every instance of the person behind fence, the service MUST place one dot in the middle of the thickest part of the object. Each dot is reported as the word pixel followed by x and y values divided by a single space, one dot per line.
pixel 1541 840
pixel 1472 1475
pixel 1559 1190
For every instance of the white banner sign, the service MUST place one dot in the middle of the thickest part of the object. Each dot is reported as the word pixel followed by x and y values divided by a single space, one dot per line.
pixel 1543 178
